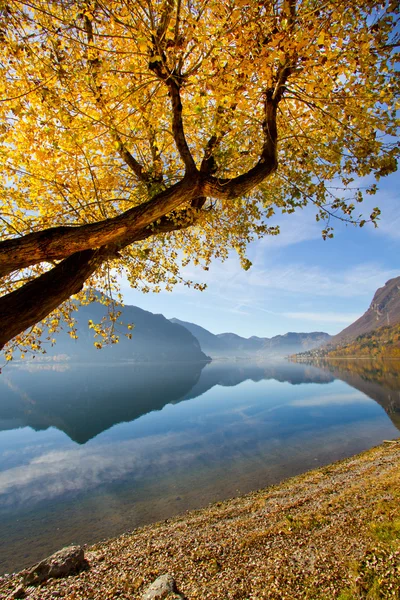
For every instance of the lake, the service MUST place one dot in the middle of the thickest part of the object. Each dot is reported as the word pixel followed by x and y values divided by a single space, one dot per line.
pixel 91 451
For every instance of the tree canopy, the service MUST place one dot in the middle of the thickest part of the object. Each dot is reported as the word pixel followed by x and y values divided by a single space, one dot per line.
pixel 136 136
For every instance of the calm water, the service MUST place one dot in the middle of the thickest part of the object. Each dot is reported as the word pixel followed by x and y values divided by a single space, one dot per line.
pixel 88 452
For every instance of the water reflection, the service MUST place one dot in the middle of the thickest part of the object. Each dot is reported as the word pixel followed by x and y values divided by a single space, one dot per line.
pixel 84 400
pixel 379 379
pixel 91 451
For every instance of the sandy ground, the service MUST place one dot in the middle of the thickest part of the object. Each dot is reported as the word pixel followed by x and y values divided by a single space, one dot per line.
pixel 330 533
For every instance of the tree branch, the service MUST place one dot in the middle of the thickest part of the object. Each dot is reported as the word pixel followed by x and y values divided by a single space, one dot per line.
pixel 208 165
pixel 174 222
pixel 32 302
pixel 177 127
pixel 165 19
pixel 172 82
pixel 58 242
pixel 129 159
pixel 288 13
pixel 226 189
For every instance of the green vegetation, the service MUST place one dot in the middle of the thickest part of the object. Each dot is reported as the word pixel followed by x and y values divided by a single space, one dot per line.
pixel 377 575
pixel 383 342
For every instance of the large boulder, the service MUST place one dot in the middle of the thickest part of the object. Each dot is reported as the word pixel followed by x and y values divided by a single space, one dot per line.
pixel 65 562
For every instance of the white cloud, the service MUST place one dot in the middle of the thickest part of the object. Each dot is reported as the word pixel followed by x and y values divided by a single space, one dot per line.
pixel 69 471
pixel 294 229
pixel 229 281
pixel 361 280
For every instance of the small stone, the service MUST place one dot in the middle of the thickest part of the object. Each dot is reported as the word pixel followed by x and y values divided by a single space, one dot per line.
pixel 61 564
pixel 19 592
pixel 163 587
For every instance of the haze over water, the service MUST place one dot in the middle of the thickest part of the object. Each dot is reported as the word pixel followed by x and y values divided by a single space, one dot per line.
pixel 91 451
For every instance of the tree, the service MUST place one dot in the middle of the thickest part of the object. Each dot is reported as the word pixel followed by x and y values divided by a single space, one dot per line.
pixel 137 135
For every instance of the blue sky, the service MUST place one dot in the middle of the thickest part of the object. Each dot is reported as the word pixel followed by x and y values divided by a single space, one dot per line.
pixel 298 281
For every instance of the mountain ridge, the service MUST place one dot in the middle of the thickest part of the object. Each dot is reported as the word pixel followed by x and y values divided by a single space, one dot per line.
pixel 157 339
pixel 383 310
pixel 228 345
pixel 154 338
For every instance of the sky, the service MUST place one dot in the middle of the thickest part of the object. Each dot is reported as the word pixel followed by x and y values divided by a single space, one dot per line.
pixel 298 282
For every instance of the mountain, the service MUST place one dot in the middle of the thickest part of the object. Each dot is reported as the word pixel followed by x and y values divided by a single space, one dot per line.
pixel 230 345
pixel 383 342
pixel 154 339
pixel 384 310
pixel 287 343
pixel 230 374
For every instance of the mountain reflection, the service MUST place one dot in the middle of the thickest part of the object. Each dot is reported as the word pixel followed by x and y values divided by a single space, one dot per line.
pixel 84 400
pixel 377 378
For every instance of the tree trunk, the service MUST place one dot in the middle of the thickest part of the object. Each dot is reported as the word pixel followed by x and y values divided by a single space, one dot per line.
pixel 31 303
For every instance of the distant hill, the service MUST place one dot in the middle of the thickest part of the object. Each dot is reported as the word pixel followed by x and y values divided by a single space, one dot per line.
pixel 154 339
pixel 229 345
pixel 384 310
pixel 383 342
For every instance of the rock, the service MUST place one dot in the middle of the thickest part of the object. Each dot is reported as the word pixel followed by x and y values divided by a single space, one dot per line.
pixel 163 587
pixel 19 592
pixel 61 564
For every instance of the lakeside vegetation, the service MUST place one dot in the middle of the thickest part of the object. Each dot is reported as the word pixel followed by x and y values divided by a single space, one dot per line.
pixel 383 342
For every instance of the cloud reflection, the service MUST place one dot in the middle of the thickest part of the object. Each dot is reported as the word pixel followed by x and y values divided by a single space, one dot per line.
pixel 333 399
pixel 65 472
pixel 225 432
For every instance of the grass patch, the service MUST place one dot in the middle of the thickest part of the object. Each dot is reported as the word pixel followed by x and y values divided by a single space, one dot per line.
pixel 305 521
pixel 387 532
pixel 254 538
pixel 346 595
pixel 377 575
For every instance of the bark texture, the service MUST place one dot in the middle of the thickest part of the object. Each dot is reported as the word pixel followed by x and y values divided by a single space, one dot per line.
pixel 32 302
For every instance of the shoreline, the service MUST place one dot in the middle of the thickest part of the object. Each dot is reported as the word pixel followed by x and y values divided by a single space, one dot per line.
pixel 328 358
pixel 306 537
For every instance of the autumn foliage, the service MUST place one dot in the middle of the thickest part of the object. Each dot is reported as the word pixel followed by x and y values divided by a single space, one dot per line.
pixel 136 137
pixel 382 343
